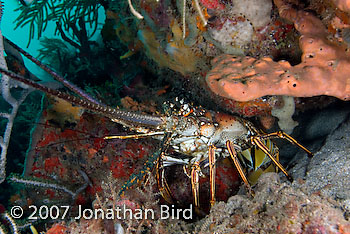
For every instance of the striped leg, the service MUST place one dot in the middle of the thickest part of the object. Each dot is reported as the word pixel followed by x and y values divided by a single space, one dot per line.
pixel 162 184
pixel 212 171
pixel 238 166
pixel 195 182
pixel 283 135
pixel 257 141
pixel 135 178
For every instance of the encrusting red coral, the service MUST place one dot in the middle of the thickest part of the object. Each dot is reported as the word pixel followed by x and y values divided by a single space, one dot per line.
pixel 324 67
pixel 57 229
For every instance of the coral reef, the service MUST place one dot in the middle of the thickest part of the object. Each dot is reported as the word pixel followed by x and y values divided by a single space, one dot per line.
pixel 315 203
pixel 199 34
pixel 72 162
pixel 323 71
pixel 65 162
pixel 163 38
pixel 276 208
pixel 176 55
pixel 235 31
pixel 183 36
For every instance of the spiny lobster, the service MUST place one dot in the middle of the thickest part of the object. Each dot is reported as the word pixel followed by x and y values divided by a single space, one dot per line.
pixel 196 133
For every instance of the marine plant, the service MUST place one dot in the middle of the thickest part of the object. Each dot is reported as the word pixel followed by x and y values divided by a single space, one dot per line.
pixel 66 13
pixel 55 52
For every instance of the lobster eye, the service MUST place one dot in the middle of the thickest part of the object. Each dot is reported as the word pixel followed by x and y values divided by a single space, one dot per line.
pixel 207 129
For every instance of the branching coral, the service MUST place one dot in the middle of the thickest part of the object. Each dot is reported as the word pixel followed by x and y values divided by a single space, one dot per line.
pixel 35 182
pixel 6 86
pixel 323 71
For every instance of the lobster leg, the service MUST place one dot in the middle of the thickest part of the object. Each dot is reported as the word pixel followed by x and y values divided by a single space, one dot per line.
pixel 212 171
pixel 162 184
pixel 195 182
pixel 257 141
pixel 283 135
pixel 238 166
pixel 148 166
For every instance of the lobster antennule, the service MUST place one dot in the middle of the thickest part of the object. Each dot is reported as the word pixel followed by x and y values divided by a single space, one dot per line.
pixel 120 116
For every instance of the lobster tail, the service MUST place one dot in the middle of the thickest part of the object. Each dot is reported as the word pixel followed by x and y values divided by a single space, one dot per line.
pixel 120 116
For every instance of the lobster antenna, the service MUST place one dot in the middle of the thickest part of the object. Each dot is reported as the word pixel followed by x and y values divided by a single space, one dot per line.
pixel 55 75
pixel 120 116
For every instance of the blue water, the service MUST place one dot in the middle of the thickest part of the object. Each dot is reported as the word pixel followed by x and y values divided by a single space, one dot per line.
pixel 20 36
